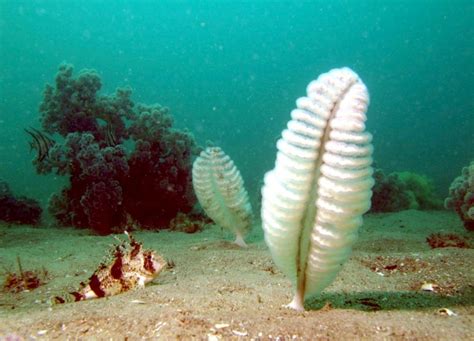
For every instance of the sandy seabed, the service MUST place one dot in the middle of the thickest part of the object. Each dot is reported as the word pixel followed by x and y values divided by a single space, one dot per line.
pixel 219 291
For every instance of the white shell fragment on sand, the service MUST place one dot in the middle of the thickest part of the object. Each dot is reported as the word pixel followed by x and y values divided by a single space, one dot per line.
pixel 429 287
pixel 239 333
pixel 221 325
pixel 446 311
pixel 137 302
pixel 212 337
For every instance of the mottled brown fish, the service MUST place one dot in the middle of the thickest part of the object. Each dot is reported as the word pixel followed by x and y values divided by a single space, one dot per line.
pixel 131 267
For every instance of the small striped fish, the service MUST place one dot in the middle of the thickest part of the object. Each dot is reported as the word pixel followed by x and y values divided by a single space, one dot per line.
pixel 41 142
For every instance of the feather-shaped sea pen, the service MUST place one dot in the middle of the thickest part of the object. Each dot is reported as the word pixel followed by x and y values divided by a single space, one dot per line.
pixel 220 190
pixel 314 198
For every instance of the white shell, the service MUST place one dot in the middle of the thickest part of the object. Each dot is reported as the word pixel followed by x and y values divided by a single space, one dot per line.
pixel 446 311
pixel 429 287
pixel 314 198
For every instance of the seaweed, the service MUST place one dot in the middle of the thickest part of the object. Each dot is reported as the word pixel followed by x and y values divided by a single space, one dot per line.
pixel 439 240
pixel 24 280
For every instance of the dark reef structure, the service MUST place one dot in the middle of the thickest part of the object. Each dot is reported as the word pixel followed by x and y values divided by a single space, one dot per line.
pixel 401 191
pixel 95 194
pixel 159 183
pixel 126 164
pixel 73 105
pixel 461 196
pixel 189 223
pixel 18 210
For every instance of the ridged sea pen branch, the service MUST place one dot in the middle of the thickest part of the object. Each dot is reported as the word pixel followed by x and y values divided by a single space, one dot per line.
pixel 314 198
pixel 220 190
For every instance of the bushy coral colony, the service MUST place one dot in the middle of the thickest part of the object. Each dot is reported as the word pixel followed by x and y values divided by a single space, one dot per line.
pixel 159 183
pixel 17 210
pixel 94 197
pixel 110 186
pixel 73 105
pixel 461 196
pixel 399 191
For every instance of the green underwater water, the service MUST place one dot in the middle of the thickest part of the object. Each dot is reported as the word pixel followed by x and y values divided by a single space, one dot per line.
pixel 230 71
